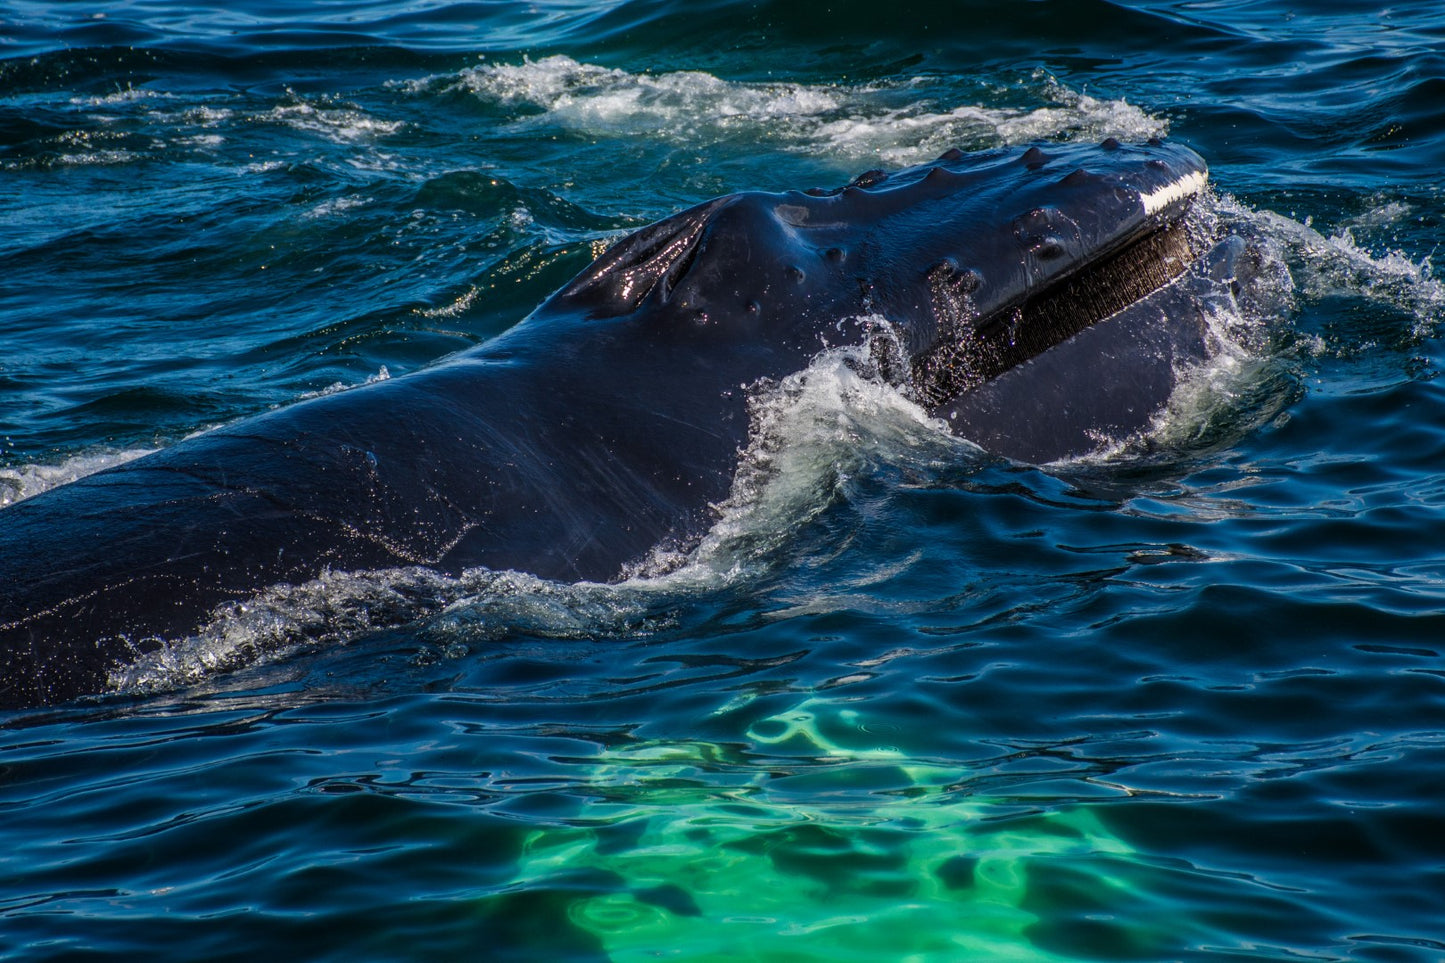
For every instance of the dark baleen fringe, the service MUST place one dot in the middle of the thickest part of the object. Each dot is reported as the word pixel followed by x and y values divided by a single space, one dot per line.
pixel 989 347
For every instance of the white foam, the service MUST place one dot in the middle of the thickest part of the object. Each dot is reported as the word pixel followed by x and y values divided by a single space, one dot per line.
pixel 333 608
pixel 97 158
pixel 919 131
pixel 201 140
pixel 682 105
pixel 335 206
pixel 339 124
pixel 1385 212
pixel 26 481
pixel 382 374
pixel 125 95
pixel 810 432
pixel 1204 390
pixel 897 122
pixel 206 115
pixel 1335 265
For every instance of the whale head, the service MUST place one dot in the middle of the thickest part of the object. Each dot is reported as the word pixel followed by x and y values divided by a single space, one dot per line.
pixel 978 261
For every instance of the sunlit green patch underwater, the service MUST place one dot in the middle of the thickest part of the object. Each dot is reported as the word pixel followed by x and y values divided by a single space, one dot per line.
pixel 811 842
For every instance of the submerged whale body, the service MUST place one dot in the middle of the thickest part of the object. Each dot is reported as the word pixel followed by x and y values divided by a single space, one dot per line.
pixel 1034 300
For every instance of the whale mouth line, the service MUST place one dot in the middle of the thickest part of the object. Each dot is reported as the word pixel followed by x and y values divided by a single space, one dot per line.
pixel 989 345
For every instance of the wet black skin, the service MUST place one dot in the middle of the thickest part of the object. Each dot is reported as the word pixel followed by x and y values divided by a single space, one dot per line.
pixel 607 422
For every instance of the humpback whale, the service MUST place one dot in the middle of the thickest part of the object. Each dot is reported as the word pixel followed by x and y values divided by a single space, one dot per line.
pixel 1032 299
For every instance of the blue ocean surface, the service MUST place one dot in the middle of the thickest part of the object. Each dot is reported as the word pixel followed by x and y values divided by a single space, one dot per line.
pixel 1183 699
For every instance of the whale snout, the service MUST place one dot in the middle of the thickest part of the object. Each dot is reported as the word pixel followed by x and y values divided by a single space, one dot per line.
pixel 1029 247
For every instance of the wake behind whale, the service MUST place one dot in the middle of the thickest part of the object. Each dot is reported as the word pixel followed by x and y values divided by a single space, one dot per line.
pixel 610 422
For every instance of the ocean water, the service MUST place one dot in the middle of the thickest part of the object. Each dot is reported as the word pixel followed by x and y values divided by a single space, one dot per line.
pixel 1181 700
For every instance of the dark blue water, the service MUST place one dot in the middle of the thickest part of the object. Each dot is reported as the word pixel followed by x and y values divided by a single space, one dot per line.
pixel 1182 700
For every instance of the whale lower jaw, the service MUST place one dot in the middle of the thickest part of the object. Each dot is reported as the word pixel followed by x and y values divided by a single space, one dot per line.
pixel 1109 384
